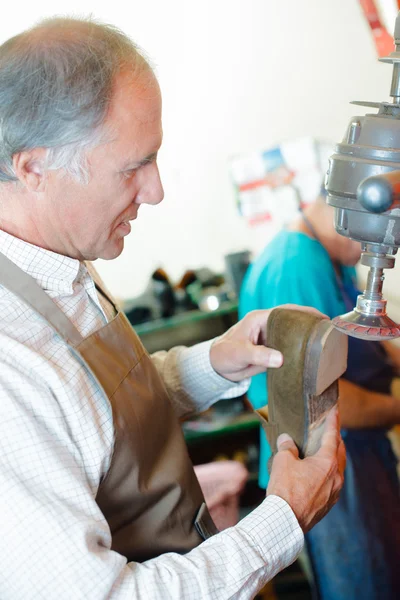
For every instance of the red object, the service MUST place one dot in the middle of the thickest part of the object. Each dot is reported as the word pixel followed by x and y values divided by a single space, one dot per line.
pixel 384 42
pixel 363 331
pixel 261 218
pixel 280 176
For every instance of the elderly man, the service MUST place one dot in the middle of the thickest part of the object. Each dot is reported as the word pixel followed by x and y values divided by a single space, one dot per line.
pixel 98 496
pixel 355 550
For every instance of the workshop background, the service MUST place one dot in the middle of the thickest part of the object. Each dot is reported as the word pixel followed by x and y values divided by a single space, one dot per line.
pixel 237 76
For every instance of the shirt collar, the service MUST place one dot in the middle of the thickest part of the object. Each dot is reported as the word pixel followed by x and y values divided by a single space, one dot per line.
pixel 53 272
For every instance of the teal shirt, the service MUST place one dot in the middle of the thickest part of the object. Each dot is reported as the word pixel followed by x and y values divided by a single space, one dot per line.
pixel 293 269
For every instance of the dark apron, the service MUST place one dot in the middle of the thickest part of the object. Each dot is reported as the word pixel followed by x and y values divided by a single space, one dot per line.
pixel 150 495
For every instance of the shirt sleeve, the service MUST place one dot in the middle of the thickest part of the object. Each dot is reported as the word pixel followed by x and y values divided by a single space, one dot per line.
pixel 192 384
pixel 55 542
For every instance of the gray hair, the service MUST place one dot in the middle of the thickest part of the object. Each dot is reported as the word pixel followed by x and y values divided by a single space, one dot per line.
pixel 56 84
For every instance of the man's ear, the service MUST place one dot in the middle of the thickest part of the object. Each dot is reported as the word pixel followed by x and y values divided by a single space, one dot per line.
pixel 29 167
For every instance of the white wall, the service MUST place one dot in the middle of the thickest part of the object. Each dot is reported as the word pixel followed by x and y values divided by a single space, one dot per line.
pixel 237 76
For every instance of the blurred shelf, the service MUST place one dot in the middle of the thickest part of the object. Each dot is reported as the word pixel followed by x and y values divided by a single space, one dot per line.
pixel 190 316
pixel 220 427
pixel 185 328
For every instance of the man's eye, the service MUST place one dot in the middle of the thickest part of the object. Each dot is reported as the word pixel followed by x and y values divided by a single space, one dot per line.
pixel 129 174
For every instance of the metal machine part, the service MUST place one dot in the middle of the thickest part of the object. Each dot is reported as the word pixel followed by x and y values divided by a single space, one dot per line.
pixel 363 184
pixel 369 319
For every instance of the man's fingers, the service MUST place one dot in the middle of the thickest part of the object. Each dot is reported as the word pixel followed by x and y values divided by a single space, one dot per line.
pixel 285 442
pixel 262 357
pixel 260 317
pixel 331 436
pixel 341 458
pixel 257 319
pixel 308 309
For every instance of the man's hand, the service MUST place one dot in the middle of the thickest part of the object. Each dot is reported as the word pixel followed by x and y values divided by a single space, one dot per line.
pixel 310 486
pixel 241 352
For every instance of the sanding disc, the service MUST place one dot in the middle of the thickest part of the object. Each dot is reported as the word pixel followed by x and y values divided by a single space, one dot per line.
pixel 367 331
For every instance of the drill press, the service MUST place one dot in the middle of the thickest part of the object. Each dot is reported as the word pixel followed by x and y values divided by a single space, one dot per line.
pixel 363 184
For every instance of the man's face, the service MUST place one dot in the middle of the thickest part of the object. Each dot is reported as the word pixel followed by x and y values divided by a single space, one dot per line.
pixel 90 221
pixel 349 251
pixel 341 248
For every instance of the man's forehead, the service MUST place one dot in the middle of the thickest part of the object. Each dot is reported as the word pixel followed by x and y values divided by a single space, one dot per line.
pixel 136 86
pixel 135 107
pixel 134 117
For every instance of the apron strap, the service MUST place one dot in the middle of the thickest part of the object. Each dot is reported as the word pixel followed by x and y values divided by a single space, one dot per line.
pixel 106 299
pixel 108 305
pixel 25 287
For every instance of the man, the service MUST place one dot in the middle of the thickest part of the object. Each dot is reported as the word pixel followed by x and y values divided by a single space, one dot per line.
pixel 355 550
pixel 98 496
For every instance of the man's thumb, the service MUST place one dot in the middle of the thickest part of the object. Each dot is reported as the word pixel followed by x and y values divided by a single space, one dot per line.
pixel 285 442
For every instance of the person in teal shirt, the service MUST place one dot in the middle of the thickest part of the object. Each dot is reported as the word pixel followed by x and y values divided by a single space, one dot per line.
pixel 355 550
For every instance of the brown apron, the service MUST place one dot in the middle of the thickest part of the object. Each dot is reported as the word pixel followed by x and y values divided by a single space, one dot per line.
pixel 150 495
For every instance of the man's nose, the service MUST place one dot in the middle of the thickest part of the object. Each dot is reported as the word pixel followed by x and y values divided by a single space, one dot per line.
pixel 151 190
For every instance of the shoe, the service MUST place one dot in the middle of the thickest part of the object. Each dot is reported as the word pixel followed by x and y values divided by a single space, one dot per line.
pixel 305 388
pixel 157 301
